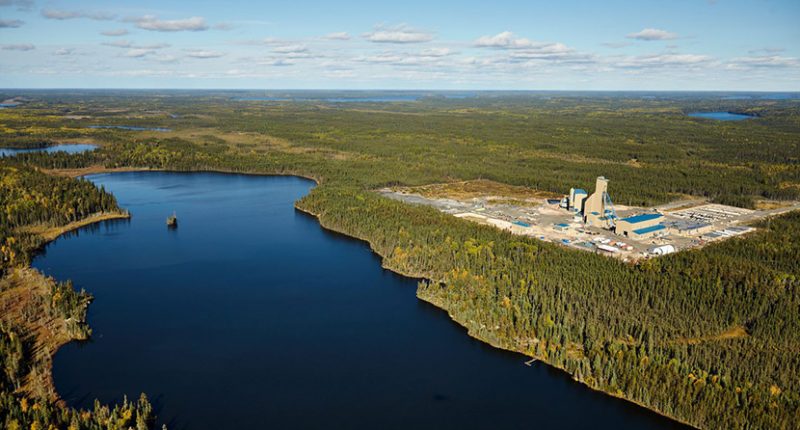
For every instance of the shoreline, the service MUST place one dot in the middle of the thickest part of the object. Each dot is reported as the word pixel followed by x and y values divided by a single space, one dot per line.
pixel 48 335
pixel 50 234
pixel 469 332
pixel 417 276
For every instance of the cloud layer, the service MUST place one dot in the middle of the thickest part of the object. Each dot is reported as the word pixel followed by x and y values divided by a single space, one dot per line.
pixel 19 47
pixel 146 45
pixel 63 15
pixel 152 23
pixel 651 34
pixel 115 33
pixel 11 23
pixel 398 34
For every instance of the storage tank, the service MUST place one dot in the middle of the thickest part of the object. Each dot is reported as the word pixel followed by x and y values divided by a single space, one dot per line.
pixel 662 250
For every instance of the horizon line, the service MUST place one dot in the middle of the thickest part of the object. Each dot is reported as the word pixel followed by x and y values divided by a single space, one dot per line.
pixel 387 90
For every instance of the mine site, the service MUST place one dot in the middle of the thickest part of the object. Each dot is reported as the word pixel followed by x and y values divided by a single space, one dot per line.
pixel 589 220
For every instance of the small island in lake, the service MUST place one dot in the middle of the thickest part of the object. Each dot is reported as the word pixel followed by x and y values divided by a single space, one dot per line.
pixel 172 221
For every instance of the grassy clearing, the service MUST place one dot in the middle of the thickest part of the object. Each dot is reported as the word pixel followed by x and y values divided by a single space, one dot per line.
pixel 465 190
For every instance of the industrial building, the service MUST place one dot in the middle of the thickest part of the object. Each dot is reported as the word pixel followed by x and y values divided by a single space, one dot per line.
pixel 577 197
pixel 597 209
pixel 561 227
pixel 689 228
pixel 630 234
pixel 642 226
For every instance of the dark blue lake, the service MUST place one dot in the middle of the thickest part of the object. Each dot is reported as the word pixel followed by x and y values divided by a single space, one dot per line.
pixel 131 127
pixel 68 148
pixel 249 315
pixel 721 116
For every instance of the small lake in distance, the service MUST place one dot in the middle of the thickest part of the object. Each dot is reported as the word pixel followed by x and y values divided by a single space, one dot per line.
pixel 250 315
pixel 130 127
pixel 68 148
pixel 721 116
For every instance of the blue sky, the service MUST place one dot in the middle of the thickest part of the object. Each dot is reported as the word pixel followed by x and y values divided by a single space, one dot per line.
pixel 552 45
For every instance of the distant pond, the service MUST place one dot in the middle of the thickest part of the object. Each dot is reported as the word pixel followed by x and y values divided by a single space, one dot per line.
pixel 131 127
pixel 68 148
pixel 721 116
pixel 250 315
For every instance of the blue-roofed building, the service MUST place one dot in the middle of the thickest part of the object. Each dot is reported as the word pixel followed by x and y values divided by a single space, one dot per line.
pixel 642 218
pixel 652 229
pixel 561 227
pixel 641 226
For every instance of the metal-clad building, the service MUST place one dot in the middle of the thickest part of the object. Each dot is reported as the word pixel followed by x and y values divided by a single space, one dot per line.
pixel 641 226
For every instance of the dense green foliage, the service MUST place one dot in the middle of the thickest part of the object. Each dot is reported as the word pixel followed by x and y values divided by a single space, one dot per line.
pixel 621 328
pixel 18 413
pixel 550 142
pixel 709 336
pixel 28 197
pixel 23 411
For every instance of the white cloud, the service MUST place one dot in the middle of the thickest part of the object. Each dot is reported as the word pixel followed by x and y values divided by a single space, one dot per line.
pixel 62 15
pixel 278 62
pixel 119 44
pixel 560 54
pixel 278 44
pixel 433 57
pixel 398 34
pixel 19 47
pixel 138 53
pixel 115 33
pixel 662 60
pixel 126 44
pixel 522 49
pixel 290 49
pixel 153 46
pixel 164 58
pixel 341 35
pixel 20 4
pixel 268 41
pixel 651 34
pixel 152 23
pixel 204 54
pixel 505 40
pixel 437 52
pixel 11 23
pixel 764 61
pixel 64 51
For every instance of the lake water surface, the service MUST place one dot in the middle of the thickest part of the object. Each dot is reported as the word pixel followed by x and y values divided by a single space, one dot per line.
pixel 249 315
pixel 68 148
pixel 130 127
pixel 721 116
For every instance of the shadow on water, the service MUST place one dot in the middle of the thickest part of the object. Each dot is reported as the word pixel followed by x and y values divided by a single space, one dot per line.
pixel 107 227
